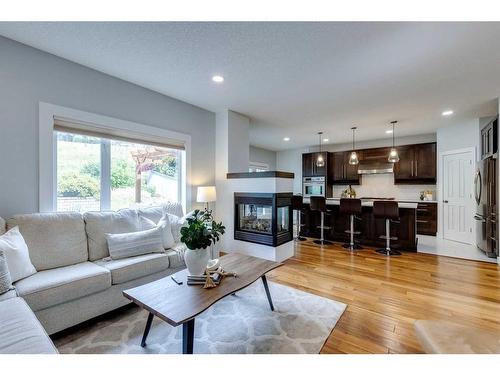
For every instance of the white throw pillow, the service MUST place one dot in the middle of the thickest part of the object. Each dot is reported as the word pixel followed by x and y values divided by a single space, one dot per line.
pixel 164 226
pixel 176 223
pixel 16 252
pixel 125 245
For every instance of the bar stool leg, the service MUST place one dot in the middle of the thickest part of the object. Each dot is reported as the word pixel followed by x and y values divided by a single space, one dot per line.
pixel 322 240
pixel 351 245
pixel 388 251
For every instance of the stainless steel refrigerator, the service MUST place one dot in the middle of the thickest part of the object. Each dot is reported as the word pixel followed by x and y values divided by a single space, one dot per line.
pixel 485 185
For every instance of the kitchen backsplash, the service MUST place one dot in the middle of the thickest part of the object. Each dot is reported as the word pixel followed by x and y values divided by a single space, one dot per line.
pixel 382 185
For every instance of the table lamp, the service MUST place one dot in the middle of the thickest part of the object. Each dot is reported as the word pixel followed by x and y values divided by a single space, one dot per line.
pixel 206 194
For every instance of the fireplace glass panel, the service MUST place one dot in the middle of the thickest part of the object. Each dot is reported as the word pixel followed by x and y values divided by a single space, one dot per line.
pixel 283 224
pixel 255 218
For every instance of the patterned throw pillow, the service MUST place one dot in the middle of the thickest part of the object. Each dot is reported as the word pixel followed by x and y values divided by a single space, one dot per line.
pixel 5 281
pixel 125 245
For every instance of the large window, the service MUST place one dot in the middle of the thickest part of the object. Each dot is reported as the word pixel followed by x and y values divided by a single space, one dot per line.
pixel 95 173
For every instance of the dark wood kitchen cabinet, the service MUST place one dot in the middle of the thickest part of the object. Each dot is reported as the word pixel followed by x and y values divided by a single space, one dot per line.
pixel 343 173
pixel 309 167
pixel 417 164
pixel 427 218
pixel 489 140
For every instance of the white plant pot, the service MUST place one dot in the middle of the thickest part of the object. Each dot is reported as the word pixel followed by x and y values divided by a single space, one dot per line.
pixel 197 260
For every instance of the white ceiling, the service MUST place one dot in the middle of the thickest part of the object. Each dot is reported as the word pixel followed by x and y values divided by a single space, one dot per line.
pixel 294 79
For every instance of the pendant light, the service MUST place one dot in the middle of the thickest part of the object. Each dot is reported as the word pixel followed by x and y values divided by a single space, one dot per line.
pixel 353 158
pixel 320 161
pixel 393 155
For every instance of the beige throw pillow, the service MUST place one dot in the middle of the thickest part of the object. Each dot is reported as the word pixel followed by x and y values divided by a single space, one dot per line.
pixel 125 245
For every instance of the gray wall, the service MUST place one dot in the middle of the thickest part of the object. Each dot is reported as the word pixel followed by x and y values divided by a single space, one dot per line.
pixel 28 76
pixel 262 155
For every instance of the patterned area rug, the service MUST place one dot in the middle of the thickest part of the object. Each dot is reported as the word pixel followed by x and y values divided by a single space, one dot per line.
pixel 237 324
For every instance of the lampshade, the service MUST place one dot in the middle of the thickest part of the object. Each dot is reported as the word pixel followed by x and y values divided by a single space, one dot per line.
pixel 393 156
pixel 353 158
pixel 206 194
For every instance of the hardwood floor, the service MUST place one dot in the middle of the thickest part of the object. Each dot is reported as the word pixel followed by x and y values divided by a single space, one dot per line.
pixel 386 295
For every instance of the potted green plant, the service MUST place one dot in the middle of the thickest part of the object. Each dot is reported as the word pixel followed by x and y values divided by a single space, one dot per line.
pixel 198 235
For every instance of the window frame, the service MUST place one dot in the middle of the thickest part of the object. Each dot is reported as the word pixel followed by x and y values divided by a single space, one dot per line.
pixel 48 152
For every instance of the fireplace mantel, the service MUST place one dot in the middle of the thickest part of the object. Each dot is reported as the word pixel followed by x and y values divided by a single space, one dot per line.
pixel 266 174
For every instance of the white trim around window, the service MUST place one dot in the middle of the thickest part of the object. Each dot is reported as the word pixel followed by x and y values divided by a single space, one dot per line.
pixel 47 149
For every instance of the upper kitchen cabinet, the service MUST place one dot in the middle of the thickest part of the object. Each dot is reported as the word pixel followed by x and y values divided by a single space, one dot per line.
pixel 417 164
pixel 309 167
pixel 489 141
pixel 341 172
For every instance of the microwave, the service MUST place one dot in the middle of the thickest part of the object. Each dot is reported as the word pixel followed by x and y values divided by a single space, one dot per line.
pixel 313 186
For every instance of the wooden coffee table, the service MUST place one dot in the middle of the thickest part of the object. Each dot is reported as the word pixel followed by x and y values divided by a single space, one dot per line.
pixel 180 304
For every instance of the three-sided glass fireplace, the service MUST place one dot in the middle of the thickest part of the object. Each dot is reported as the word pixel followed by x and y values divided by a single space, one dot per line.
pixel 264 218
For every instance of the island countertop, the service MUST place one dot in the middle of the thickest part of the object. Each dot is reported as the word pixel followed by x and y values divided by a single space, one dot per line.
pixel 369 226
pixel 368 202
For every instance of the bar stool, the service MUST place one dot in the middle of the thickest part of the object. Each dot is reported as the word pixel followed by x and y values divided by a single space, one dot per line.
pixel 297 205
pixel 351 207
pixel 318 203
pixel 388 210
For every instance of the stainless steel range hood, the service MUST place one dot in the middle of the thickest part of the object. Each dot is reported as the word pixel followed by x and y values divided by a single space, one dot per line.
pixel 375 167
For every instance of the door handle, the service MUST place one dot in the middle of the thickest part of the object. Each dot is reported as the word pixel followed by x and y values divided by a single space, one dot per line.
pixel 445 201
pixel 416 167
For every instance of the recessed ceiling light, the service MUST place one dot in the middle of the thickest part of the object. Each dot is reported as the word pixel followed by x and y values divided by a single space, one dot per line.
pixel 325 140
pixel 218 79
pixel 448 112
pixel 388 131
pixel 286 139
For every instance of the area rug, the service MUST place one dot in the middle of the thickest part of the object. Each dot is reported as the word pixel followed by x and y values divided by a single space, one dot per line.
pixel 243 323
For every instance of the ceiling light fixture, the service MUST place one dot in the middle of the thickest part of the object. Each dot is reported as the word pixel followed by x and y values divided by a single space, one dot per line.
pixel 448 112
pixel 218 79
pixel 320 161
pixel 286 139
pixel 393 155
pixel 353 158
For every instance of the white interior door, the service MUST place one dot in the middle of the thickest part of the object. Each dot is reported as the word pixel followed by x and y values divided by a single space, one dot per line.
pixel 457 199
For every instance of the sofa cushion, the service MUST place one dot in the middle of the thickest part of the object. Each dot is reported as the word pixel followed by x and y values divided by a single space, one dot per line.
pixel 16 253
pixel 126 245
pixel 52 287
pixel 53 239
pixel 97 224
pixel 10 294
pixel 20 331
pixel 123 270
pixel 152 213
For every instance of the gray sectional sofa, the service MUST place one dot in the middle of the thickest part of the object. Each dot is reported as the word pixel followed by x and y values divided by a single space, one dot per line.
pixel 76 280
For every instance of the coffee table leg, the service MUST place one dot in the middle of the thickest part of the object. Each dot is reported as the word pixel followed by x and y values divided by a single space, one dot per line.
pixel 188 337
pixel 146 330
pixel 266 287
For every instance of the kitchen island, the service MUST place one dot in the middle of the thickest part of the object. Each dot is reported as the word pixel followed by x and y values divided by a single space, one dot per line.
pixel 371 228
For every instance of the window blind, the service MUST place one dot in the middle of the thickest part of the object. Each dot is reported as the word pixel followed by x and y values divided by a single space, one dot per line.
pixel 84 128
